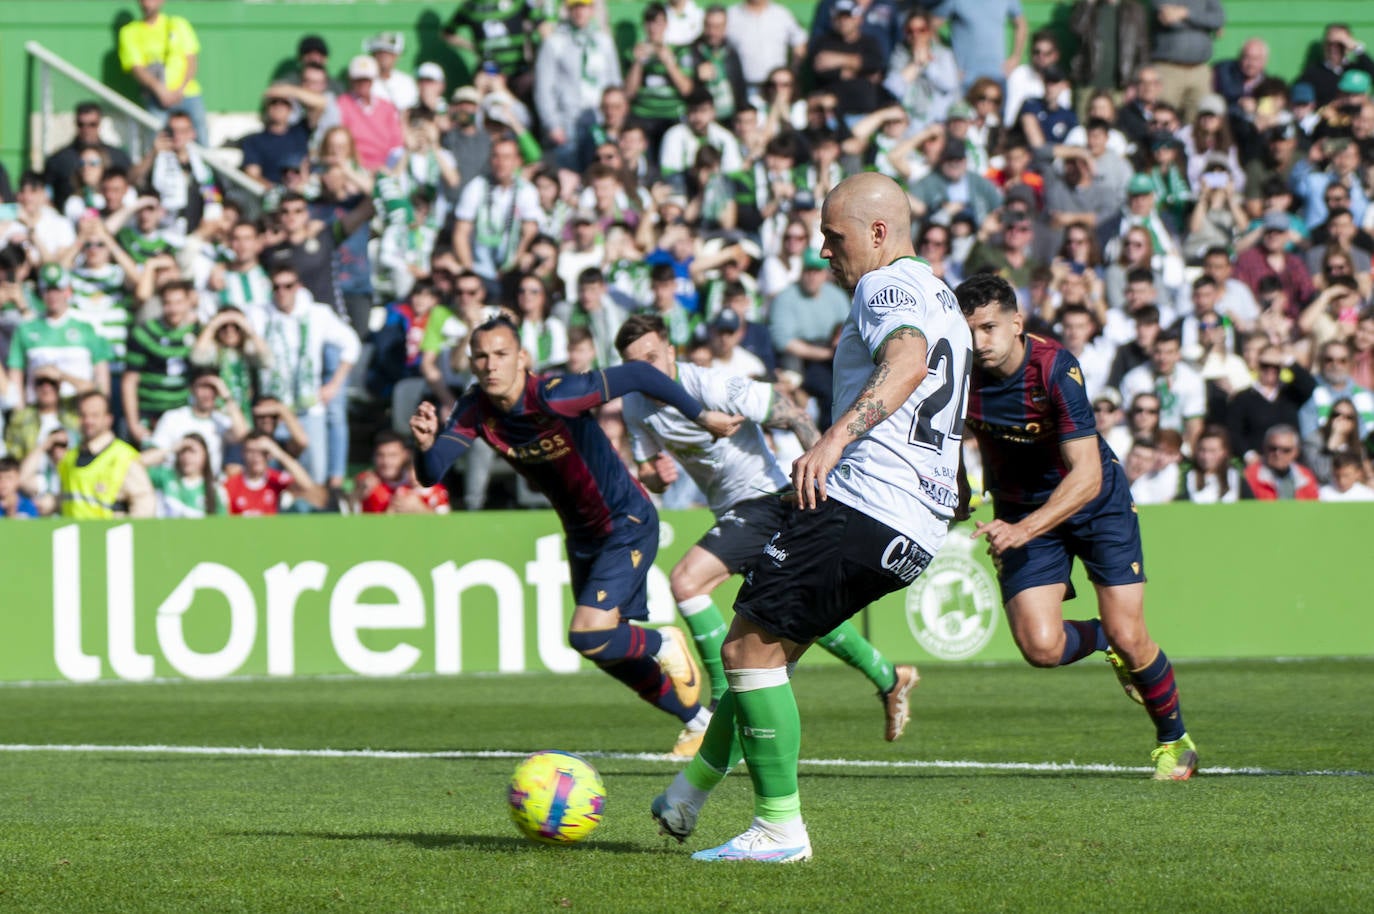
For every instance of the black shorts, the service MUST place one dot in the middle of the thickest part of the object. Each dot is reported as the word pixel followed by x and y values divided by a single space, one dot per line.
pixel 823 566
pixel 738 537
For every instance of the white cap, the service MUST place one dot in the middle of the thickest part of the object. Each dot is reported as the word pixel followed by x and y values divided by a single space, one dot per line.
pixel 363 67
pixel 431 71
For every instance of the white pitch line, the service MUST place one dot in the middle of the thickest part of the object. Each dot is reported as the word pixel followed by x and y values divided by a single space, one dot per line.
pixel 396 755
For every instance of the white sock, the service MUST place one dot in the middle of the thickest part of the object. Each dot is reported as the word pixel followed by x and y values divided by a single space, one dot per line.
pixel 700 722
pixel 682 791
pixel 693 605
pixel 790 832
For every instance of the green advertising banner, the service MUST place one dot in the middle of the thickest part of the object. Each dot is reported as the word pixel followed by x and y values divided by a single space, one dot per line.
pixel 393 595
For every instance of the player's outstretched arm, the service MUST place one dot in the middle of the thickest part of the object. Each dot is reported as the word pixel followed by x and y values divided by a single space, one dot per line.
pixel 900 368
pixel 784 413
pixel 1080 486
pixel 644 378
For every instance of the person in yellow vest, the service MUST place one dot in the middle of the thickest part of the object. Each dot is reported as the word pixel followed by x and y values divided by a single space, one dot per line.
pixel 103 478
pixel 163 54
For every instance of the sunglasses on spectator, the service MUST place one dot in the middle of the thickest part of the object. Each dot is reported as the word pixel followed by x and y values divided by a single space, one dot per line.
pixel 284 286
pixel 1209 325
pixel 1344 415
pixel 995 99
pixel 1280 448
pixel 1271 366
pixel 1336 359
pixel 1104 408
pixel 1144 411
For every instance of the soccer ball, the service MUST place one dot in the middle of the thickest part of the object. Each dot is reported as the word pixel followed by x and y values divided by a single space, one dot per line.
pixel 556 798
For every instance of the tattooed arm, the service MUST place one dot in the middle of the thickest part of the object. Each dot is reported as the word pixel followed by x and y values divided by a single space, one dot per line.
pixel 900 367
pixel 784 413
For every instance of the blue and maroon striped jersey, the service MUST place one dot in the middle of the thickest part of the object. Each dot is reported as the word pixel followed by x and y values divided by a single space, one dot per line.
pixel 1020 422
pixel 552 441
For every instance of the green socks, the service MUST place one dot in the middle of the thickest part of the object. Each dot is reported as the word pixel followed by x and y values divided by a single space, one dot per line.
pixel 846 643
pixel 708 629
pixel 770 735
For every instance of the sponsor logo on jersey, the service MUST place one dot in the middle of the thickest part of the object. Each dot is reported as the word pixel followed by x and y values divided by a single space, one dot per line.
pixel 550 447
pixel 600 596
pixel 952 608
pixel 889 298
pixel 1076 375
pixel 635 558
pixel 939 494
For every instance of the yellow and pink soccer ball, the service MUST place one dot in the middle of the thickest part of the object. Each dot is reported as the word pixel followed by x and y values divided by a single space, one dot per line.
pixel 556 798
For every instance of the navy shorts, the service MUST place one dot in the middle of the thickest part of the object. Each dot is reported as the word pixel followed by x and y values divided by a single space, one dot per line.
pixel 823 566
pixel 612 573
pixel 1104 536
pixel 739 534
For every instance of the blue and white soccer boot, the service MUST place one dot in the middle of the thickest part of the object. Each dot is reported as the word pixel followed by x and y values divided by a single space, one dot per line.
pixel 763 842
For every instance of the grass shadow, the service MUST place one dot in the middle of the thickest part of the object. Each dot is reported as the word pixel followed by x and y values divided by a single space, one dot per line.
pixel 439 841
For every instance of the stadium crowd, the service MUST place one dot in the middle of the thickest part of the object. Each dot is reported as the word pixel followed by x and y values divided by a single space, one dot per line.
pixel 1196 231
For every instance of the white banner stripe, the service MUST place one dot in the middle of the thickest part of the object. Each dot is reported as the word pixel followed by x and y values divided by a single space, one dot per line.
pixel 480 754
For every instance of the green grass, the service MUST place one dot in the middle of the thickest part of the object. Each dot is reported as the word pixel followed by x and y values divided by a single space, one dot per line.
pixel 111 832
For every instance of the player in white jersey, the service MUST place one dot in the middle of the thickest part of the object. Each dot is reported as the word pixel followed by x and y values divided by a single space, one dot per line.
pixel 891 462
pixel 743 485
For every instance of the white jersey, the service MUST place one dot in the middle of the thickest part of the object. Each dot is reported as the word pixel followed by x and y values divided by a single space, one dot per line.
pixel 727 470
pixel 904 471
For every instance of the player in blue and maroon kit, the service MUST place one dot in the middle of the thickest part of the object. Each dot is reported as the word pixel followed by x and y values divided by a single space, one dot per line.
pixel 1059 493
pixel 540 425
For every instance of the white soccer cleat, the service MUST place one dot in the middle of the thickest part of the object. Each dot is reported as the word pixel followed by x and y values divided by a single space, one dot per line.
pixel 896 703
pixel 762 843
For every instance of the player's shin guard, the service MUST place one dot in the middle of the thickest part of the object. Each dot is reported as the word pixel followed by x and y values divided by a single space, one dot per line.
pixel 846 643
pixel 1082 639
pixel 770 735
pixel 1155 683
pixel 708 629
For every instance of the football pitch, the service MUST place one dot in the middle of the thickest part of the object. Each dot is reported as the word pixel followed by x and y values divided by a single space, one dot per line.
pixel 1013 790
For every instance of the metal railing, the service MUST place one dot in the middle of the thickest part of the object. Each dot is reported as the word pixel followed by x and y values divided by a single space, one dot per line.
pixel 133 114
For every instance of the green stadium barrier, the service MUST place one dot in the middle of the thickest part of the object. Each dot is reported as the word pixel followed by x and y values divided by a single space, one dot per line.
pixel 394 595
pixel 243 44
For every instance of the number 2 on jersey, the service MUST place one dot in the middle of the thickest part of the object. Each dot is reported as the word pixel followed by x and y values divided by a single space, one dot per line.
pixel 934 420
